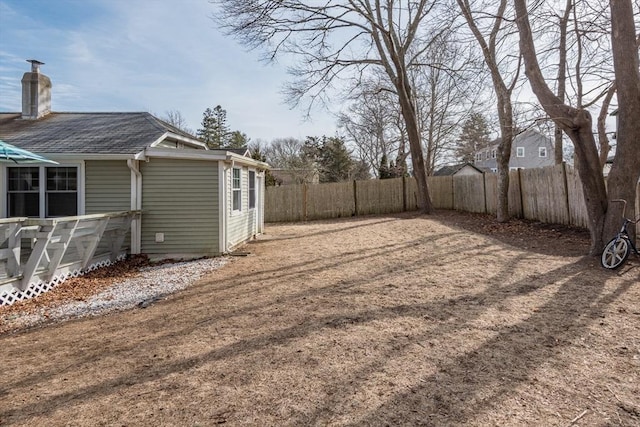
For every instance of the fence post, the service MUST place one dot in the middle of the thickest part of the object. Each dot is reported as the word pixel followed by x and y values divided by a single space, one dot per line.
pixel 484 190
pixel 355 196
pixel 404 193
pixel 566 192
pixel 453 193
pixel 304 201
pixel 521 193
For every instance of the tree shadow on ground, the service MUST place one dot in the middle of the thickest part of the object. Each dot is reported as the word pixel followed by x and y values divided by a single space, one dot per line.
pixel 450 396
pixel 464 387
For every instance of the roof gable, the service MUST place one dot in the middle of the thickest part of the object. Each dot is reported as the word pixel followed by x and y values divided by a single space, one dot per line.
pixel 454 169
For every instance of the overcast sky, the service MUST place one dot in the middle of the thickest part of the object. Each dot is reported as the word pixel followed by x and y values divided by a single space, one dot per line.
pixel 145 55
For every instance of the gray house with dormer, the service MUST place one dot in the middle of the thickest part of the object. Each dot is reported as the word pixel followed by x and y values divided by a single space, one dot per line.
pixel 530 149
pixel 194 201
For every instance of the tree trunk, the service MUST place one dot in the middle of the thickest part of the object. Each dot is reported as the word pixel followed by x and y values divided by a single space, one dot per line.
pixel 562 78
pixel 625 170
pixel 603 139
pixel 505 110
pixel 415 145
pixel 505 114
pixel 577 124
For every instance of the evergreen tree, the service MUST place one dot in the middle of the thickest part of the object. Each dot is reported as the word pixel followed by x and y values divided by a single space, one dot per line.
pixel 331 157
pixel 255 150
pixel 336 163
pixel 473 137
pixel 236 139
pixel 214 131
pixel 383 170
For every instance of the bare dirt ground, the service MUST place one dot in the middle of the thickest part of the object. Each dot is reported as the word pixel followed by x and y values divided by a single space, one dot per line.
pixel 443 320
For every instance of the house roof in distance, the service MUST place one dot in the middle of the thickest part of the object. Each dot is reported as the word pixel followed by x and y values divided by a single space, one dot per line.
pixel 453 169
pixel 91 133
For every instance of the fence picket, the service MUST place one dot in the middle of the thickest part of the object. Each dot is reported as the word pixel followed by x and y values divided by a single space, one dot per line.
pixel 552 194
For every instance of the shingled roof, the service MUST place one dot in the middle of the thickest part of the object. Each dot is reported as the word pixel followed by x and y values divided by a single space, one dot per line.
pixel 453 169
pixel 91 133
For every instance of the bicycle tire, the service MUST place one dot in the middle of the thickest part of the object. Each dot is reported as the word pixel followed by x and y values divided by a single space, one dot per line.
pixel 615 253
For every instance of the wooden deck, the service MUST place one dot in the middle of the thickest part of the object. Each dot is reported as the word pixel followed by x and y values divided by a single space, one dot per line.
pixel 38 254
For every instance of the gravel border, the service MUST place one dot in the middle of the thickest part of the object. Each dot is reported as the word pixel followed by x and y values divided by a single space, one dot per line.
pixel 152 284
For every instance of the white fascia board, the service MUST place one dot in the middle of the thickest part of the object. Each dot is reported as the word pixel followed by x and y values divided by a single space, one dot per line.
pixel 173 153
pixel 244 160
pixel 188 141
pixel 61 157
pixel 173 136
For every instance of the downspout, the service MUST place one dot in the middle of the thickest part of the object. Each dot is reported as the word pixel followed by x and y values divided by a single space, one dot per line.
pixel 136 205
pixel 222 171
pixel 226 202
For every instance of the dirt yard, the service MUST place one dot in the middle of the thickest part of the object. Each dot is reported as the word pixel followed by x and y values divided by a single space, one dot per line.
pixel 446 320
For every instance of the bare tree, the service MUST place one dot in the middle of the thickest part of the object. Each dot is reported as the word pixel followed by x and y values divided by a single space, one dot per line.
pixel 563 22
pixel 576 122
pixel 490 47
pixel 444 95
pixel 573 38
pixel 368 123
pixel 176 119
pixel 336 38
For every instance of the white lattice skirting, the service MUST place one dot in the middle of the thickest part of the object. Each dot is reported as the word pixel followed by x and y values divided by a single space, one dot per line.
pixel 35 289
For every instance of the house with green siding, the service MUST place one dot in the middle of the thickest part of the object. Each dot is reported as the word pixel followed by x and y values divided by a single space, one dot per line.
pixel 194 201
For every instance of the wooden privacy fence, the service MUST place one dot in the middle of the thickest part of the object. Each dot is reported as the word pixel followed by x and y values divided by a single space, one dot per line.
pixel 38 254
pixel 302 202
pixel 552 194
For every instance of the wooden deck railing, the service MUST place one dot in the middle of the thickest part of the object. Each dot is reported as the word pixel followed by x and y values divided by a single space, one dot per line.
pixel 38 254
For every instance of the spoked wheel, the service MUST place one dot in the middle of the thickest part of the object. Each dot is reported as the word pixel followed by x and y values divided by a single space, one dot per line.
pixel 615 253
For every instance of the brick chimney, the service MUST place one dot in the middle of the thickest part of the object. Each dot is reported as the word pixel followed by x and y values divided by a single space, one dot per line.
pixel 36 92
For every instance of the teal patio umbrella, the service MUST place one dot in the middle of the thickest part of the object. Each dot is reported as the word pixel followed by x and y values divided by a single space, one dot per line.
pixel 12 154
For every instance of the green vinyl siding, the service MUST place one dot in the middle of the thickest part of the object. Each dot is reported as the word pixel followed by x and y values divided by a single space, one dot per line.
pixel 107 186
pixel 241 225
pixel 180 199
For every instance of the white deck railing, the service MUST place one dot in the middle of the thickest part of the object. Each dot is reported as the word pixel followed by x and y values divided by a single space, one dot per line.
pixel 38 254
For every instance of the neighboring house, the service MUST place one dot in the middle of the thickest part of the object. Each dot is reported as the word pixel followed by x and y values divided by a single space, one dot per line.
pixel 530 149
pixel 295 176
pixel 457 170
pixel 194 201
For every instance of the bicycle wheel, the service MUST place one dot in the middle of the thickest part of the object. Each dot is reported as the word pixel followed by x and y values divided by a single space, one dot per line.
pixel 615 253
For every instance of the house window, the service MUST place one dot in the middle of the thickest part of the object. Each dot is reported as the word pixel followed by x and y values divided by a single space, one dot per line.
pixel 61 196
pixel 493 153
pixel 237 190
pixel 520 152
pixel 478 157
pixel 23 192
pixel 252 189
pixel 542 151
pixel 59 192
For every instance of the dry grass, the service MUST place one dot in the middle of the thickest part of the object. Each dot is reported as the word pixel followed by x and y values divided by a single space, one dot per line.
pixel 395 320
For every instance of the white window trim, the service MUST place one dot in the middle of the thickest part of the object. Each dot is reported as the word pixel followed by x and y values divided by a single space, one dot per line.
pixel 542 151
pixel 255 202
pixel 233 190
pixel 42 209
pixel 519 151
